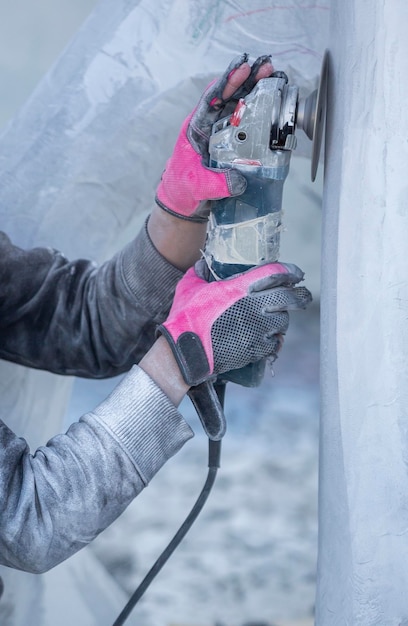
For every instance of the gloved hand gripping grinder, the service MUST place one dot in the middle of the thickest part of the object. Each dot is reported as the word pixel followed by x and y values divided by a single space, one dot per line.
pixel 258 139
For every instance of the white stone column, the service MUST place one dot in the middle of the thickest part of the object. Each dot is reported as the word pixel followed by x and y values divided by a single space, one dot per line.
pixel 363 545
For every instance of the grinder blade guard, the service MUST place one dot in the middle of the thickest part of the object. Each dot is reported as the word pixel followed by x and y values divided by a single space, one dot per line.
pixel 258 139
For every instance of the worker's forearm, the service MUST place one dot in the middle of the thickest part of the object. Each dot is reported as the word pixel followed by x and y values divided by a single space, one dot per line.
pixel 71 317
pixel 160 364
pixel 63 495
pixel 178 240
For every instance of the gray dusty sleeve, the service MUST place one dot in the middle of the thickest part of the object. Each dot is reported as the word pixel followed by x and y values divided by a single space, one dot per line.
pixel 71 317
pixel 58 499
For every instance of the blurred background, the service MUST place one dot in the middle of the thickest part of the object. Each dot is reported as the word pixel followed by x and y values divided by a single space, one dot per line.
pixel 251 556
pixel 32 36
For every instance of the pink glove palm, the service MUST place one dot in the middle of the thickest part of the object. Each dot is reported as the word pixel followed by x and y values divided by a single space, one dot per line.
pixel 187 182
pixel 221 326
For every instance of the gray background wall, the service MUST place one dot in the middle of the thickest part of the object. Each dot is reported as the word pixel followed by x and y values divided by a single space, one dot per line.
pixel 32 35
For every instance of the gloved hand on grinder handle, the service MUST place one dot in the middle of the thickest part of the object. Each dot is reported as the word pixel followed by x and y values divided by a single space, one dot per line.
pixel 221 326
pixel 188 183
pixel 216 327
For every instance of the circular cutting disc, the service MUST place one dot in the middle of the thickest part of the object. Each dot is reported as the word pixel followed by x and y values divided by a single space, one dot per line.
pixel 320 114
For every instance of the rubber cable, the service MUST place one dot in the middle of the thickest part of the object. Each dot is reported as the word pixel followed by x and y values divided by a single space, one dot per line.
pixel 214 455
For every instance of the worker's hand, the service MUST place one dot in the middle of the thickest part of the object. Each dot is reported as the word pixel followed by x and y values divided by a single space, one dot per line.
pixel 220 326
pixel 187 183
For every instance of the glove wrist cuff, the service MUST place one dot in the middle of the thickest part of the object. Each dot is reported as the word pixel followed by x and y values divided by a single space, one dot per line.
pixel 190 355
pixel 189 218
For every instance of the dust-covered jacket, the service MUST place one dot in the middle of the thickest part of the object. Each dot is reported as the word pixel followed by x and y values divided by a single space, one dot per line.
pixel 78 319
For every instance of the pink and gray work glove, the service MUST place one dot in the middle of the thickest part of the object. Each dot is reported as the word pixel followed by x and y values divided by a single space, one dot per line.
pixel 217 327
pixel 187 183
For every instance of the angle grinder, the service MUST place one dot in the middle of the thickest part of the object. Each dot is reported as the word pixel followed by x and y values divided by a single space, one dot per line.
pixel 258 140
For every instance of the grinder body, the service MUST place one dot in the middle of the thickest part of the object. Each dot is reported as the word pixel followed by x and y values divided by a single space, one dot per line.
pixel 244 231
pixel 257 139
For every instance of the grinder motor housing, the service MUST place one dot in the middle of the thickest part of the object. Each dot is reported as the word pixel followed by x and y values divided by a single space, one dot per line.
pixel 258 139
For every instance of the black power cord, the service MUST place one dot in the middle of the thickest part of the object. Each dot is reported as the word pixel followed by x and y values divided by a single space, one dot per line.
pixel 214 455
